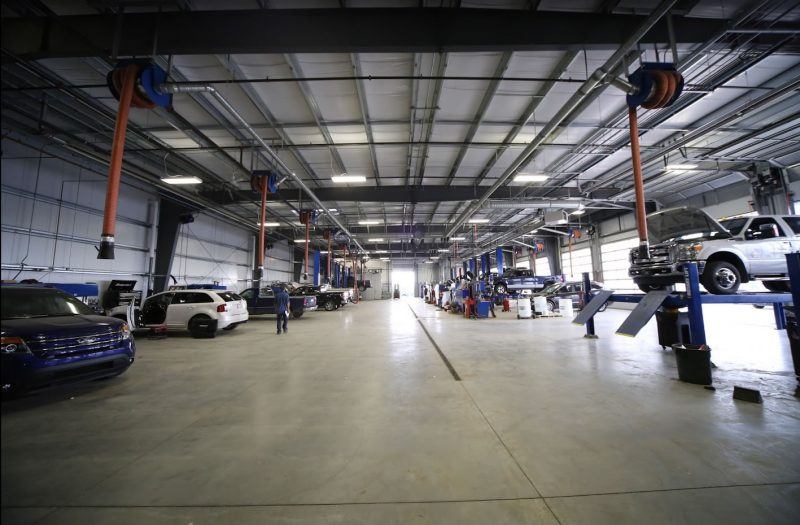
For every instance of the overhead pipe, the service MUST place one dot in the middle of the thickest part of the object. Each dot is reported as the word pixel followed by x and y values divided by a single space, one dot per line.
pixel 584 90
pixel 522 204
pixel 173 88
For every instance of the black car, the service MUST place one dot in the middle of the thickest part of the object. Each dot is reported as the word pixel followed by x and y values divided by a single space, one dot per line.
pixel 572 290
pixel 328 300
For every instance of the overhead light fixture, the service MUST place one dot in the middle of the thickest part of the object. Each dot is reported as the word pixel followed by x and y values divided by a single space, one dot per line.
pixel 530 177
pixel 181 179
pixel 562 221
pixel 300 241
pixel 377 239
pixel 478 221
pixel 443 250
pixel 323 252
pixel 435 258
pixel 381 251
pixel 458 238
pixel 385 259
pixel 270 224
pixel 578 212
pixel 332 209
pixel 680 167
pixel 368 222
pixel 344 178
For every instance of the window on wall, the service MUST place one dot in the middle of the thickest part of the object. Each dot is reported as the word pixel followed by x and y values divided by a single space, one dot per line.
pixel 525 265
pixel 615 257
pixel 542 265
pixel 574 264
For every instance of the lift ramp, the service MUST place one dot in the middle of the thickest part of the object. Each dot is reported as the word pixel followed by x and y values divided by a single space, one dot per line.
pixel 588 311
pixel 643 312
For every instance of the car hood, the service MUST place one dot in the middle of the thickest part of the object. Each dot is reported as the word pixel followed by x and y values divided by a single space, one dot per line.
pixel 679 224
pixel 60 326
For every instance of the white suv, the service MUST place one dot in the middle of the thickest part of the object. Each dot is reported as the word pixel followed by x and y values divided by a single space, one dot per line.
pixel 201 312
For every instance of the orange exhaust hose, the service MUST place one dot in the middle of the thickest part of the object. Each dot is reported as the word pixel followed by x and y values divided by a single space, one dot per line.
pixel 308 228
pixel 115 166
pixel 641 220
pixel 330 254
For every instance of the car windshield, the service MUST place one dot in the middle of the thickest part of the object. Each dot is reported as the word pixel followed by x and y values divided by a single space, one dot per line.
pixel 683 224
pixel 26 303
pixel 734 225
pixel 553 288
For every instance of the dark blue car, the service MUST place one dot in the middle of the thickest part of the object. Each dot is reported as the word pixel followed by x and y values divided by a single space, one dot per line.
pixel 50 337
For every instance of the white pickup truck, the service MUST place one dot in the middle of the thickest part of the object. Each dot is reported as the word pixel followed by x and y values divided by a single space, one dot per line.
pixel 737 250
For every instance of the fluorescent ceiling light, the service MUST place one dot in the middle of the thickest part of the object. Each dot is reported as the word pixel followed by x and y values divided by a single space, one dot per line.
pixel 478 221
pixel 443 250
pixel 300 241
pixel 457 238
pixel 345 178
pixel 368 222
pixel 385 259
pixel 681 167
pixel 381 251
pixel 270 224
pixel 530 177
pixel 182 179
pixel 324 252
pixel 562 221
pixel 579 211
pixel 435 258
pixel 377 239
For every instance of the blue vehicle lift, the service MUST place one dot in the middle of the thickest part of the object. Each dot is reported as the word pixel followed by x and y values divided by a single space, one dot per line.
pixel 693 300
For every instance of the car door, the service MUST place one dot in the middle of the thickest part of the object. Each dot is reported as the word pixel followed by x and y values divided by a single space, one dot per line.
pixel 180 310
pixel 154 309
pixel 764 250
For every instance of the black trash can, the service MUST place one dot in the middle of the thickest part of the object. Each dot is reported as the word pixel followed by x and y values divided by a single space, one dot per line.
pixel 793 332
pixel 673 326
pixel 694 363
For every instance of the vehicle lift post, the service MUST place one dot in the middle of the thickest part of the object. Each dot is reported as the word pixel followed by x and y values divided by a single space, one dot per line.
pixel 587 287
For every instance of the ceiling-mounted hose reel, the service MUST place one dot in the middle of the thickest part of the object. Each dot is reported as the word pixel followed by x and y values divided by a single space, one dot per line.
pixel 149 79
pixel 654 85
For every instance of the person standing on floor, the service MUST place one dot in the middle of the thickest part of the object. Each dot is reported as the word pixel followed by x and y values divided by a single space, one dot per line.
pixel 282 308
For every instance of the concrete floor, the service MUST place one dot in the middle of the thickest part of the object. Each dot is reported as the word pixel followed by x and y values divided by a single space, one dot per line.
pixel 352 417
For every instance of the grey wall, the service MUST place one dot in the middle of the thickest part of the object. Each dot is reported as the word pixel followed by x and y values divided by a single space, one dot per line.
pixel 52 213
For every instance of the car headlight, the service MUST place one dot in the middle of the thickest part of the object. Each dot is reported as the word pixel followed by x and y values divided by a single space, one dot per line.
pixel 14 345
pixel 125 331
pixel 689 252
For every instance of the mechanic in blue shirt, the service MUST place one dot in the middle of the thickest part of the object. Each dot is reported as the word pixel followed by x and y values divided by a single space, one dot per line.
pixel 282 308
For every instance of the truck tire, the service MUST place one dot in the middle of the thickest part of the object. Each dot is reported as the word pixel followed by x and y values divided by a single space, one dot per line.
pixel 721 278
pixel 202 326
pixel 777 286
pixel 330 305
pixel 651 287
pixel 297 315
pixel 551 304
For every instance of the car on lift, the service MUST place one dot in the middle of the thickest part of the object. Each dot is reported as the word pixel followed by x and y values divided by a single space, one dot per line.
pixel 566 290
pixel 201 312
pixel 517 280
pixel 735 251
pixel 329 300
pixel 50 337
pixel 262 301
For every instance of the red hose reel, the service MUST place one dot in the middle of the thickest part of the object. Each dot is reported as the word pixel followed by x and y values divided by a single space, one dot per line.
pixel 656 85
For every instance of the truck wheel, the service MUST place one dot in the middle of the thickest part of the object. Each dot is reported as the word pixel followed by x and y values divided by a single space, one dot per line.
pixel 500 288
pixel 200 326
pixel 552 305
pixel 651 287
pixel 297 315
pixel 777 286
pixel 330 305
pixel 721 278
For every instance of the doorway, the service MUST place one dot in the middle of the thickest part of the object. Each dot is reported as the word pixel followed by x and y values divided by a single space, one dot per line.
pixel 403 279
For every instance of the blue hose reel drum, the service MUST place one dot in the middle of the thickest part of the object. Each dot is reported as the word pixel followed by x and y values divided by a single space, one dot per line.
pixel 149 79
pixel 659 84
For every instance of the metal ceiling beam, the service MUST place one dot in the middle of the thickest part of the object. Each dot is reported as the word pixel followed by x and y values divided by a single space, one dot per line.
pixel 395 194
pixel 334 31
